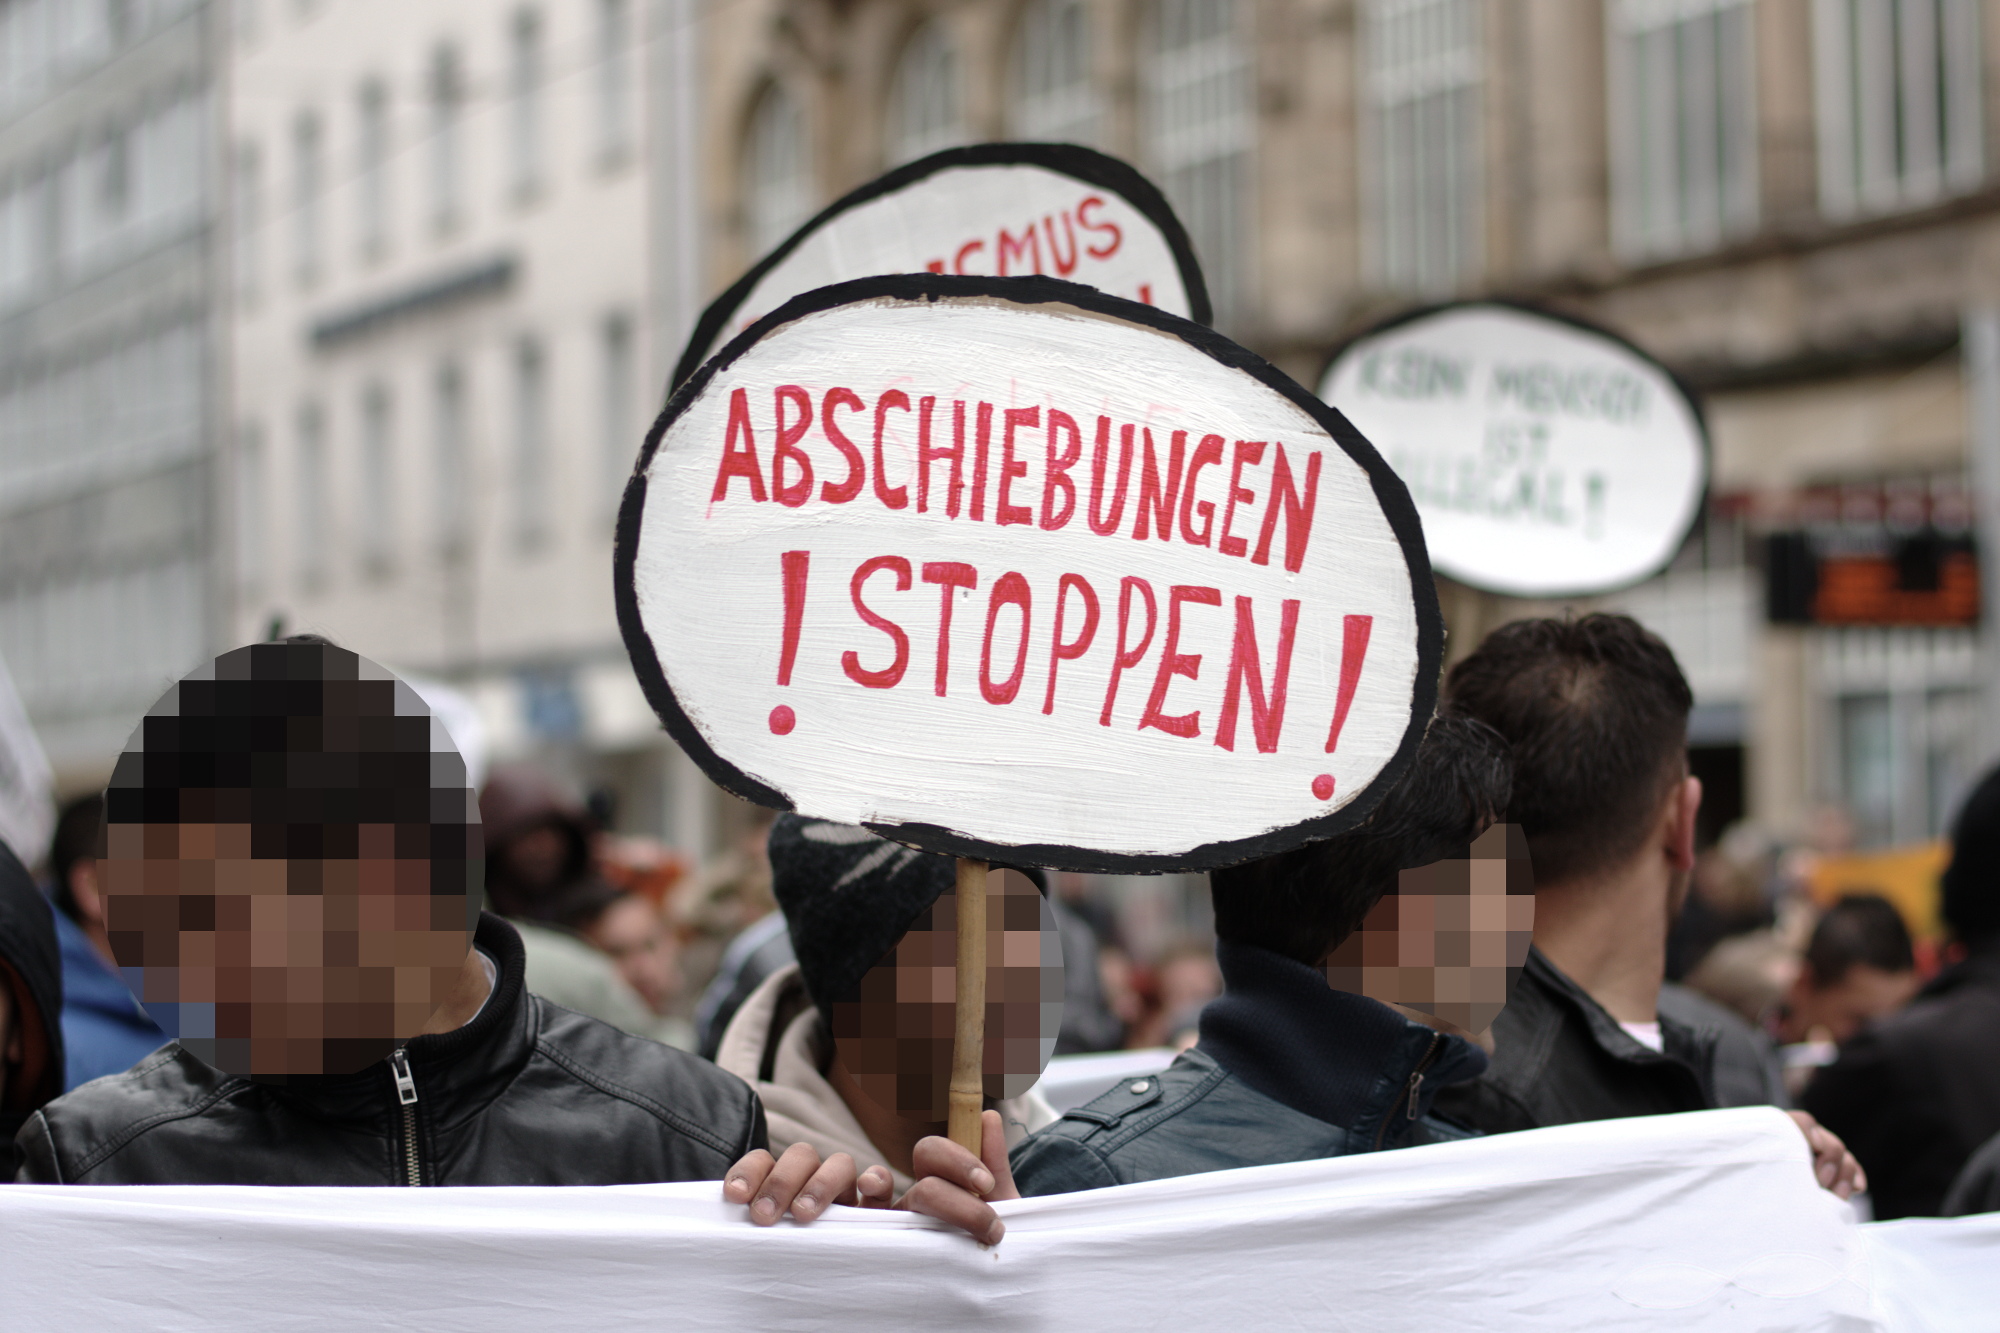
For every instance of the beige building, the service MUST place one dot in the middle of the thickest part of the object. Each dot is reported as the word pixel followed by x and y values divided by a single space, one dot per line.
pixel 1791 202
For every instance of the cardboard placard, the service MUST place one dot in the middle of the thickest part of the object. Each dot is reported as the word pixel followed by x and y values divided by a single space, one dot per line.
pixel 1547 457
pixel 996 210
pixel 1016 570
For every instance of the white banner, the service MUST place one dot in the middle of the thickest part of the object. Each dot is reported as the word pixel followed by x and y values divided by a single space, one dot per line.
pixel 1708 1221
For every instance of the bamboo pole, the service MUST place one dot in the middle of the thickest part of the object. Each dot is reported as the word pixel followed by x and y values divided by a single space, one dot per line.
pixel 968 1045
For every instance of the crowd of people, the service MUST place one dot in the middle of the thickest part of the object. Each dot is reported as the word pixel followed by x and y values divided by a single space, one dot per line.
pixel 570 1051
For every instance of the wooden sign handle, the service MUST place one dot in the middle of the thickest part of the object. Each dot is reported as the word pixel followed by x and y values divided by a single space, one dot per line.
pixel 968 1044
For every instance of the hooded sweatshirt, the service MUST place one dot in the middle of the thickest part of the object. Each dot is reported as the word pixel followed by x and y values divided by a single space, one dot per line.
pixel 31 972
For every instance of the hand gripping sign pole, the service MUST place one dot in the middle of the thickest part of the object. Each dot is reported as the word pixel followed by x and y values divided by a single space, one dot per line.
pixel 1017 571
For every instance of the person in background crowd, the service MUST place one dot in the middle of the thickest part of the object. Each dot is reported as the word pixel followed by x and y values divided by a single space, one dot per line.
pixel 105 1031
pixel 1726 899
pixel 762 948
pixel 632 932
pixel 1288 1069
pixel 1088 1022
pixel 1859 966
pixel 1596 712
pixel 1918 1092
pixel 31 997
pixel 1183 982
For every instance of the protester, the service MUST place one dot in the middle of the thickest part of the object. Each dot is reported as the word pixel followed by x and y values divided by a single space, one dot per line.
pixel 1596 712
pixel 105 1030
pixel 31 1035
pixel 1182 983
pixel 1286 1068
pixel 1977 1189
pixel 1918 1092
pixel 632 933
pixel 759 950
pixel 1859 966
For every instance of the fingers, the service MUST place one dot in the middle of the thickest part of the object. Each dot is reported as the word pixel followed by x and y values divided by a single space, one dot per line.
pixel 937 1156
pixel 1834 1167
pixel 875 1188
pixel 783 1182
pixel 953 1185
pixel 741 1180
pixel 993 1154
pixel 934 1196
pixel 832 1183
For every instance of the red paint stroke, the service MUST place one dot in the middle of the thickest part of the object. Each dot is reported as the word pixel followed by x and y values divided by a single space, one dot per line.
pixel 796 564
pixel 1353 651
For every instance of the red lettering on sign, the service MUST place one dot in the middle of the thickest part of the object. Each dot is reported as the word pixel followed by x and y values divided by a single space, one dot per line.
pixel 1125 659
pixel 1353 651
pixel 1083 217
pixel 1101 523
pixel 897 497
pixel 739 462
pixel 795 493
pixel 1156 501
pixel 1010 589
pixel 796 565
pixel 1029 244
pixel 850 661
pixel 1010 468
pixel 856 472
pixel 1063 269
pixel 1055 477
pixel 982 440
pixel 969 248
pixel 1267 711
pixel 1207 453
pixel 1060 652
pixel 1298 512
pixel 1249 452
pixel 950 574
pixel 1174 663
pixel 926 452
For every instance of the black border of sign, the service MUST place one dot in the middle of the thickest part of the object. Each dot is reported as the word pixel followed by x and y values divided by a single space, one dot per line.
pixel 1084 164
pixel 1390 494
pixel 1523 307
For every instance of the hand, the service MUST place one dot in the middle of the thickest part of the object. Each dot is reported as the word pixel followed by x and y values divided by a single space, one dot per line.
pixel 954 1186
pixel 798 1183
pixel 1833 1166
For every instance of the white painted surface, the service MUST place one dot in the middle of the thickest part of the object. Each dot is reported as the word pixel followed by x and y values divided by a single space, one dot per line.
pixel 1545 459
pixel 710 593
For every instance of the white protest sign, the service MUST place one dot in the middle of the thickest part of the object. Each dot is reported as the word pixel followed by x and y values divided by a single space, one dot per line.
pixel 995 210
pixel 1546 457
pixel 1011 569
pixel 27 785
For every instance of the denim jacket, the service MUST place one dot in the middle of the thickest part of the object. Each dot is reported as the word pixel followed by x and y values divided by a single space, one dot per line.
pixel 1286 1070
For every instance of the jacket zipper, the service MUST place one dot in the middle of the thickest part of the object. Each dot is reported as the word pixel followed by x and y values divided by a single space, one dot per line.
pixel 406 1093
pixel 1415 1087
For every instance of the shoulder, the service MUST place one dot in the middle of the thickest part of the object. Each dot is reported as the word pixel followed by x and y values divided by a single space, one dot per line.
pixel 81 1130
pixel 683 1092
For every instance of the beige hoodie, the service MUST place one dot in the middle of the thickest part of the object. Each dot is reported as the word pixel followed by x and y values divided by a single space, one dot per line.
pixel 800 1106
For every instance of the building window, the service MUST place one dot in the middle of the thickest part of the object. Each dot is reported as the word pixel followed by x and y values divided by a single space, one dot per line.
pixel 524 96
pixel 376 511
pixel 1683 124
pixel 247 200
pixel 372 170
pixel 314 525
pixel 252 494
pixel 531 446
pixel 777 170
pixel 619 420
pixel 1052 96
pixel 1899 102
pixel 1420 89
pixel 308 192
pixel 926 111
pixel 1198 124
pixel 614 80
pixel 452 474
pixel 447 93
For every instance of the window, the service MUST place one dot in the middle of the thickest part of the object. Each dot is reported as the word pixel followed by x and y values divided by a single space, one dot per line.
pixel 314 526
pixel 252 488
pixel 308 186
pixel 1899 102
pixel 1420 88
pixel 1683 124
pixel 524 95
pixel 447 106
pixel 777 170
pixel 247 201
pixel 621 435
pixel 614 79
pixel 1197 125
pixel 1053 98
pixel 531 428
pixel 925 112
pixel 452 513
pixel 372 170
pixel 376 512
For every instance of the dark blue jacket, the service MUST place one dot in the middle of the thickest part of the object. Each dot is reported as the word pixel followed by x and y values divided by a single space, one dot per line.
pixel 1286 1070
pixel 104 1029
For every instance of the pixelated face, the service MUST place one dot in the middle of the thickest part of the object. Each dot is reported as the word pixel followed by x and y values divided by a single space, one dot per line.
pixel 895 1036
pixel 288 864
pixel 1452 938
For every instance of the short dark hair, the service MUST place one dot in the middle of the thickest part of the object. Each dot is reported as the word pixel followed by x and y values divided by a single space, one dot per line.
pixel 1596 711
pixel 75 840
pixel 1971 899
pixel 1862 929
pixel 1304 902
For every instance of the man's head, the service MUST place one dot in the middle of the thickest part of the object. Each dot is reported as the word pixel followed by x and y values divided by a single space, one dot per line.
pixel 874 926
pixel 290 861
pixel 1858 967
pixel 1595 711
pixel 1971 905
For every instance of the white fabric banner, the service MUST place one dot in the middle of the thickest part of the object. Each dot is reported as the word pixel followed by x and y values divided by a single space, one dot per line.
pixel 1709 1221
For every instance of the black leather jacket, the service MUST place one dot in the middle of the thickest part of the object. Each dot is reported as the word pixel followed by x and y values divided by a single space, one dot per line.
pixel 1287 1070
pixel 525 1094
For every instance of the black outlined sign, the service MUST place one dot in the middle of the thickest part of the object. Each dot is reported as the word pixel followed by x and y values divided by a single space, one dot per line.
pixel 1016 570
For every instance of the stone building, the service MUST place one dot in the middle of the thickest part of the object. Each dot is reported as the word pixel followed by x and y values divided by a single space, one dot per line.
pixel 1788 201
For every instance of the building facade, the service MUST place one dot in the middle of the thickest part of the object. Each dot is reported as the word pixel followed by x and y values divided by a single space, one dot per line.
pixel 1791 202
pixel 108 366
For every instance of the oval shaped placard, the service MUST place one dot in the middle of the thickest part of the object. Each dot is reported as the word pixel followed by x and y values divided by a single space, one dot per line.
pixel 1010 568
pixel 1548 458
pixel 996 210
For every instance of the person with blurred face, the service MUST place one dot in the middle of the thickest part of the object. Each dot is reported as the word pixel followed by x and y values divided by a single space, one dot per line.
pixel 31 1037
pixel 105 1030
pixel 1859 966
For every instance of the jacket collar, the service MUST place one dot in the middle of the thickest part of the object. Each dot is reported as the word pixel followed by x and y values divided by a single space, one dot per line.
pixel 1682 1044
pixel 1979 967
pixel 1341 1058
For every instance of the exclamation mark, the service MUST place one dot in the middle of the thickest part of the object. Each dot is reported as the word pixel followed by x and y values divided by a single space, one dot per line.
pixel 796 566
pixel 1353 652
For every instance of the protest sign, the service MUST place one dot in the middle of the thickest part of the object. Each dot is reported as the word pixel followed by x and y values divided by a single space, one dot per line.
pixel 999 210
pixel 1547 457
pixel 1012 569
